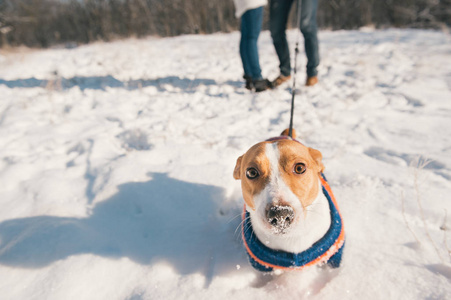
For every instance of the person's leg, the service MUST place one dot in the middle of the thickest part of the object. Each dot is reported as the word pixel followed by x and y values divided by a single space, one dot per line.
pixel 245 61
pixel 278 18
pixel 310 32
pixel 251 23
pixel 243 48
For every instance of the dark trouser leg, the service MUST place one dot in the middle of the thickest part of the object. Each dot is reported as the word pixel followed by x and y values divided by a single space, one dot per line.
pixel 278 17
pixel 310 32
pixel 251 23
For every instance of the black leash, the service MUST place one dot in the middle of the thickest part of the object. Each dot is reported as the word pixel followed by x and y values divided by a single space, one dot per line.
pixel 296 51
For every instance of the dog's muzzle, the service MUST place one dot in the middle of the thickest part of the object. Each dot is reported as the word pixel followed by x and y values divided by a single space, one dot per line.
pixel 280 217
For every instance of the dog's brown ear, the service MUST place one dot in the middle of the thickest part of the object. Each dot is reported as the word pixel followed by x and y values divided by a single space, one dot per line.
pixel 237 171
pixel 317 157
pixel 286 131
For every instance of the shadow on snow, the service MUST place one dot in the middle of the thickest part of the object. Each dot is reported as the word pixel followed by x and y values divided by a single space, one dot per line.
pixel 163 219
pixel 103 82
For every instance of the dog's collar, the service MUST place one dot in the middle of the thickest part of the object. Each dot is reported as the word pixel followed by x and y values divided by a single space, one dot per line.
pixel 327 249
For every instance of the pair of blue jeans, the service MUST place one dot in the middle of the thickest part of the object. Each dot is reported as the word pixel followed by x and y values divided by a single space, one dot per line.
pixel 251 24
pixel 278 18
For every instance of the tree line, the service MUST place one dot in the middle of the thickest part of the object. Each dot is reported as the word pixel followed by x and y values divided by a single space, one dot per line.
pixel 43 23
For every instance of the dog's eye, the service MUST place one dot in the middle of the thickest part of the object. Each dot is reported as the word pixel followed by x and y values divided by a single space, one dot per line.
pixel 252 173
pixel 300 168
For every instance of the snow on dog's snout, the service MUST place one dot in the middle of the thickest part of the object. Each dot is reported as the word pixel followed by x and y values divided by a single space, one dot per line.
pixel 276 196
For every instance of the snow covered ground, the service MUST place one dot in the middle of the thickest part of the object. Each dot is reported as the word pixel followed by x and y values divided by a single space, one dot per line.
pixel 116 164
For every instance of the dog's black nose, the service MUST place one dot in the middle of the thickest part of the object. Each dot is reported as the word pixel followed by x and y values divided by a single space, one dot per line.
pixel 280 217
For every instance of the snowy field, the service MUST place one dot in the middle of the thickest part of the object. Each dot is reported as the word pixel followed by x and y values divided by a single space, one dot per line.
pixel 116 164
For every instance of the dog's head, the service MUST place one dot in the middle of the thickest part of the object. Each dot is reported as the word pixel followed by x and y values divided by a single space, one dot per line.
pixel 279 180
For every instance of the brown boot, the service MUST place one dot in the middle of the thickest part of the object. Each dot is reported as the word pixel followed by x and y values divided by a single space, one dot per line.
pixel 279 80
pixel 311 81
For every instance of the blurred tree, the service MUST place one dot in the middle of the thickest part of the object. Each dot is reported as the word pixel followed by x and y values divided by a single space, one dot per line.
pixel 41 23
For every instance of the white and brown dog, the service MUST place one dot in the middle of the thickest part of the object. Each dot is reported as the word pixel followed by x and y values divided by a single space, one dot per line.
pixel 291 219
